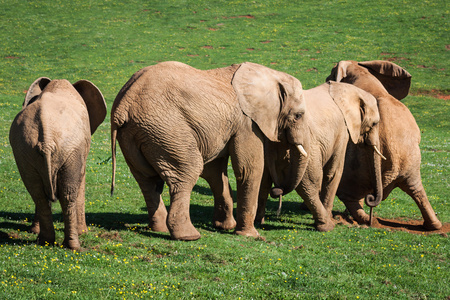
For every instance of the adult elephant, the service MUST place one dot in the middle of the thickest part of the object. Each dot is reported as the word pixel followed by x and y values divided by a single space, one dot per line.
pixel 399 138
pixel 338 114
pixel 50 138
pixel 175 123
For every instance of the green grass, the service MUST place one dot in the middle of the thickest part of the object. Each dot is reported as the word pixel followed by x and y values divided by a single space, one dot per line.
pixel 107 41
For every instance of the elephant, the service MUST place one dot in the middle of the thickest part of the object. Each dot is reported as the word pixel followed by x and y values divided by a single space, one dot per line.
pixel 175 123
pixel 50 138
pixel 399 139
pixel 338 114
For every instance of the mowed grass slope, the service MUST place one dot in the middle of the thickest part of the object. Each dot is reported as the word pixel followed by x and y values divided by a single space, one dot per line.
pixel 107 41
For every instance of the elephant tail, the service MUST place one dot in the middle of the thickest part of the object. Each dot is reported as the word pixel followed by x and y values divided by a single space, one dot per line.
pixel 47 177
pixel 113 155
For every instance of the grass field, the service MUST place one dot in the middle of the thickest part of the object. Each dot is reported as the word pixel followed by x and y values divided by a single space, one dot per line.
pixel 107 41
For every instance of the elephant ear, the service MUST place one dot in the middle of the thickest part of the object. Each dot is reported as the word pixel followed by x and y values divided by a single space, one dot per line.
pixel 262 93
pixel 394 78
pixel 94 100
pixel 35 90
pixel 352 104
pixel 339 72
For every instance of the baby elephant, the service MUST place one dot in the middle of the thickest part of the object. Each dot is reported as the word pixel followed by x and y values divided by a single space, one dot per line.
pixel 50 138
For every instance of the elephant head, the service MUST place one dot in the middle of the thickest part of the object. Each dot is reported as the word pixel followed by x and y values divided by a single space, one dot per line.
pixel 362 118
pixel 377 77
pixel 90 94
pixel 274 101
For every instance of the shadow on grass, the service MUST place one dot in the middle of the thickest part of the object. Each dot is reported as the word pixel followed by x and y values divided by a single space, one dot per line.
pixel 288 207
pixel 202 190
pixel 201 217
pixel 14 223
pixel 7 239
pixel 402 225
pixel 12 226
pixel 207 191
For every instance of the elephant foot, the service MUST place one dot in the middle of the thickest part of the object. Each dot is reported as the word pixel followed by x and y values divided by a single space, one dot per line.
pixel 329 226
pixel 362 219
pixel 72 244
pixel 185 233
pixel 251 232
pixel 158 227
pixel 433 225
pixel 227 224
pixel 157 220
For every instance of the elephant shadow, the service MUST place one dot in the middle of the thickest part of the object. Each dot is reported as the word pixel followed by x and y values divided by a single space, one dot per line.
pixel 201 216
pixel 207 191
pixel 202 190
pixel 290 208
pixel 14 222
pixel 12 226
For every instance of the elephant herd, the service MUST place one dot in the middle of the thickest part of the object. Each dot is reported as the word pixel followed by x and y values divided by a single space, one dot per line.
pixel 350 137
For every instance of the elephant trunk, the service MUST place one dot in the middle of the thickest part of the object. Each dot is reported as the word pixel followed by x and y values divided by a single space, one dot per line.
pixel 372 139
pixel 373 200
pixel 288 171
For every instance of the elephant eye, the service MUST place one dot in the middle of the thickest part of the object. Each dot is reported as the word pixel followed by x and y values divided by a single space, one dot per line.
pixel 297 116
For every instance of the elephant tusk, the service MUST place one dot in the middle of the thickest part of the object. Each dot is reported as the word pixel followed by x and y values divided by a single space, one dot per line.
pixel 379 153
pixel 302 150
pixel 280 200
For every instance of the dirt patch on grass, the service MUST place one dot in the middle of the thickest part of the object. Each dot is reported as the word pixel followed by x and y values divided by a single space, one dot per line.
pixel 392 58
pixel 112 236
pixel 241 16
pixel 444 95
pixel 410 226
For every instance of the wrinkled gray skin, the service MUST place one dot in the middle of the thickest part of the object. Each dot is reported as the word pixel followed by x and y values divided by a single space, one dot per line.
pixel 175 123
pixel 399 138
pixel 338 114
pixel 50 138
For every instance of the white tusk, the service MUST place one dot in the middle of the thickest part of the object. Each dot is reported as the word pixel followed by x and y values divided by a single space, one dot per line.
pixel 378 152
pixel 302 150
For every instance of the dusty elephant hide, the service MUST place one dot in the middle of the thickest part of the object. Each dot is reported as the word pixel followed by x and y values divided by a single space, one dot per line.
pixel 175 123
pixel 50 138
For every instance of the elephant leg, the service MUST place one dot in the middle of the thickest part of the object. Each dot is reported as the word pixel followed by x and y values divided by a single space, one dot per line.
pixel 150 183
pixel 152 188
pixel 309 190
pixel 332 176
pixel 181 181
pixel 178 218
pixel 68 189
pixel 43 220
pixel 215 173
pixel 35 228
pixel 415 190
pixel 356 210
pixel 69 207
pixel 264 190
pixel 247 156
pixel 46 233
pixel 81 216
pixel 356 206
